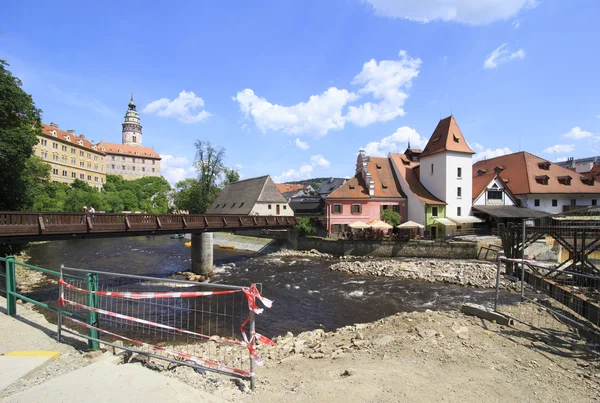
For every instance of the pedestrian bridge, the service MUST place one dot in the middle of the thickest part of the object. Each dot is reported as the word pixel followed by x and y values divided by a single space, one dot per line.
pixel 16 227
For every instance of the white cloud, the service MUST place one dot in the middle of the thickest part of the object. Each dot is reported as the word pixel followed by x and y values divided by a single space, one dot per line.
pixel 320 114
pixel 292 174
pixel 577 134
pixel 476 146
pixel 397 142
pixel 516 24
pixel 304 172
pixel 303 145
pixel 560 149
pixel 472 12
pixel 485 154
pixel 501 55
pixel 318 160
pixel 175 169
pixel 385 81
pixel 560 159
pixel 187 108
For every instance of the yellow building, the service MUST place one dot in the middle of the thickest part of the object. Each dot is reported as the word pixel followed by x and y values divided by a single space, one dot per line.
pixel 71 156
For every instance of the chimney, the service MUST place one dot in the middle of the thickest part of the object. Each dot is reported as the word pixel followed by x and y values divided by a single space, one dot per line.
pixel 71 131
pixel 54 125
pixel 81 136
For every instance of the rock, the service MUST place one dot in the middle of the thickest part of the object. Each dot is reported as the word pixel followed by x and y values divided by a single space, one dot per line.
pixel 348 372
pixel 383 340
pixel 316 355
pixel 426 333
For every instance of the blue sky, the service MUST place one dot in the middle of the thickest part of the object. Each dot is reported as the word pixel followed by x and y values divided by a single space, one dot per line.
pixel 295 88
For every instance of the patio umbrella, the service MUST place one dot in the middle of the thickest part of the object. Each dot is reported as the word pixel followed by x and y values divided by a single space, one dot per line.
pixel 378 224
pixel 410 224
pixel 359 225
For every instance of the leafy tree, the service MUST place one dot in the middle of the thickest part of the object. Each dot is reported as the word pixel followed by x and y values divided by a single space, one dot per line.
pixel 305 227
pixel 113 202
pixel 209 166
pixel 19 125
pixel 187 195
pixel 130 201
pixel 231 176
pixel 391 217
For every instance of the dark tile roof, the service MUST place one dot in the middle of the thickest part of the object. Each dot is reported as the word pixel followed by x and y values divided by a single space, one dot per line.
pixel 330 185
pixel 240 197
pixel 509 212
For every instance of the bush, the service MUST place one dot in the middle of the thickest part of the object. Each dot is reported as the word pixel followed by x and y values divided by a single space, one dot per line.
pixel 305 227
pixel 391 217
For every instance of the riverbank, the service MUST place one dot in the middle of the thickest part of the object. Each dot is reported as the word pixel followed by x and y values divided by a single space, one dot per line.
pixel 248 243
pixel 450 271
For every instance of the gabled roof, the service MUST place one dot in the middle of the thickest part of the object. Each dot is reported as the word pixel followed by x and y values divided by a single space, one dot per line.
pixel 290 187
pixel 481 182
pixel 409 171
pixel 446 137
pixel 521 170
pixel 69 137
pixel 330 185
pixel 240 197
pixel 128 150
pixel 382 173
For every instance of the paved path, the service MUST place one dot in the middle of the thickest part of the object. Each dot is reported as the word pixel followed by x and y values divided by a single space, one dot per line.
pixel 72 378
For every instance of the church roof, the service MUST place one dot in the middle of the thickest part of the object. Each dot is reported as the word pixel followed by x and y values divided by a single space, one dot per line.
pixel 446 137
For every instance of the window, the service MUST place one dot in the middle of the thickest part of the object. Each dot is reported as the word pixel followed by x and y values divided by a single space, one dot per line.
pixel 396 208
pixel 113 157
pixel 89 177
pixel 284 207
pixel 573 202
pixel 133 168
pixel 337 209
pixel 82 164
pixel 269 207
pixel 458 211
pixel 44 155
pixel 152 169
pixel 55 157
pixel 123 158
pixel 337 228
pixel 81 153
pixel 134 139
pixel 434 211
pixel 63 148
pixel 356 209
pixel 143 161
pixel 459 192
pixel 153 162
pixel 459 172
pixel 81 176
pixel 143 169
pixel 55 145
pixel 96 167
pixel 123 167
pixel 55 171
pixel 432 169
pixel 113 166
pixel 73 151
pixel 133 160
pixel 73 175
pixel 89 155
pixel 536 202
pixel 73 161
pixel 63 159
pixel 89 165
pixel 95 179
pixel 594 202
pixel 44 142
pixel 95 158
pixel 65 173
pixel 554 202
pixel 494 195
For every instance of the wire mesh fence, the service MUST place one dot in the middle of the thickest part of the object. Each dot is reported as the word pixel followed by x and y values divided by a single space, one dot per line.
pixel 195 324
pixel 560 303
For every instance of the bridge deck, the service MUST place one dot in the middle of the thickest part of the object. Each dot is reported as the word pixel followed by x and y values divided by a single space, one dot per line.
pixel 26 227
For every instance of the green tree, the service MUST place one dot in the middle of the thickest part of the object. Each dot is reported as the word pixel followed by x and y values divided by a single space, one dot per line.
pixel 19 125
pixel 130 201
pixel 231 176
pixel 187 195
pixel 391 217
pixel 209 166
pixel 305 227
pixel 113 202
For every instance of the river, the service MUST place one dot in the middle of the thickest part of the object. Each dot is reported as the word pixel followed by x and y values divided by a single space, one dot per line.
pixel 307 295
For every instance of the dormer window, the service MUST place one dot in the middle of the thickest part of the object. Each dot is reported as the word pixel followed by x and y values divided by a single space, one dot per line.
pixel 378 166
pixel 120 150
pixel 137 153
pixel 588 181
pixel 406 162
pixel 499 168
pixel 53 133
pixel 565 180
pixel 481 171
pixel 435 140
pixel 80 142
pixel 68 138
pixel 352 187
pixel 455 138
pixel 544 165
pixel 94 147
pixel 103 149
pixel 152 154
pixel 542 179
pixel 383 185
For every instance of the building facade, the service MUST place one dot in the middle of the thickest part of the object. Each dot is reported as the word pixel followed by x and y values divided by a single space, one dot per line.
pixel 130 159
pixel 71 156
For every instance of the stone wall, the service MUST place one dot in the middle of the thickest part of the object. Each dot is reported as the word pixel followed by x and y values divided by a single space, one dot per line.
pixel 421 249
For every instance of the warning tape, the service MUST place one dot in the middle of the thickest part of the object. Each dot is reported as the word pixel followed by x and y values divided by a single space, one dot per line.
pixel 513 260
pixel 149 295
pixel 197 360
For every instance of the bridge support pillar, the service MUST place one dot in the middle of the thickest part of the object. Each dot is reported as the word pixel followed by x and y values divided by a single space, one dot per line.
pixel 202 253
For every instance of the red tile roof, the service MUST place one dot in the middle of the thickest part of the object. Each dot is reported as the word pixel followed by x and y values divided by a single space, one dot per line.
pixel 382 173
pixel 521 170
pixel 410 172
pixel 446 137
pixel 68 137
pixel 127 150
pixel 290 187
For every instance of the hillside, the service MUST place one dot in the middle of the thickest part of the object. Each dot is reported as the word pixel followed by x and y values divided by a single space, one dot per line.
pixel 314 182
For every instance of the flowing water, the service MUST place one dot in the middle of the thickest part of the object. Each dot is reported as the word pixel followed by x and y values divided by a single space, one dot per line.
pixel 307 294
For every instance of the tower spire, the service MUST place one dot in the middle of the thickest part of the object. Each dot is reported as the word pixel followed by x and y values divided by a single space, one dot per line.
pixel 132 129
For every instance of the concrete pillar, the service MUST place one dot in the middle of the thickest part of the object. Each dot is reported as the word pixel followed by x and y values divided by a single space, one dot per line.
pixel 202 253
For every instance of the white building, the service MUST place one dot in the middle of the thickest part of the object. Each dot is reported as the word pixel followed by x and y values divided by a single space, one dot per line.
pixel 538 184
pixel 130 159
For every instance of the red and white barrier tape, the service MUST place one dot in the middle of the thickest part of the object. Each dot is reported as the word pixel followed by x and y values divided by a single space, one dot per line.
pixel 252 293
pixel 149 295
pixel 513 260
pixel 197 360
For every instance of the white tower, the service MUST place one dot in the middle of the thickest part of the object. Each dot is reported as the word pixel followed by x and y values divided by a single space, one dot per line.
pixel 132 129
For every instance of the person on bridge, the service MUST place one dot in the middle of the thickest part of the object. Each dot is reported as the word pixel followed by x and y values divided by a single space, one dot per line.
pixel 91 212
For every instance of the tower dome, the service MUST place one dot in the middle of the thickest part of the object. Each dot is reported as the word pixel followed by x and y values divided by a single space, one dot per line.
pixel 132 129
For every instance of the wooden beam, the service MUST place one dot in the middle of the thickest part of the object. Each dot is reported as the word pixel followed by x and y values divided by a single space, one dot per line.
pixel 90 226
pixel 127 224
pixel 485 313
pixel 224 221
pixel 184 222
pixel 158 224
pixel 41 224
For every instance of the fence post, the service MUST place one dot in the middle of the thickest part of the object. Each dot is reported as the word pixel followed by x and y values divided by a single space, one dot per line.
pixel 92 285
pixel 11 286
pixel 497 284
pixel 252 363
pixel 60 304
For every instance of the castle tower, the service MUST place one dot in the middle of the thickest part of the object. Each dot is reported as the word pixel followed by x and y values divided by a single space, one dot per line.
pixel 132 129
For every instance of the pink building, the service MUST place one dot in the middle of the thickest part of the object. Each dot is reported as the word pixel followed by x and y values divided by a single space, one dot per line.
pixel 362 198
